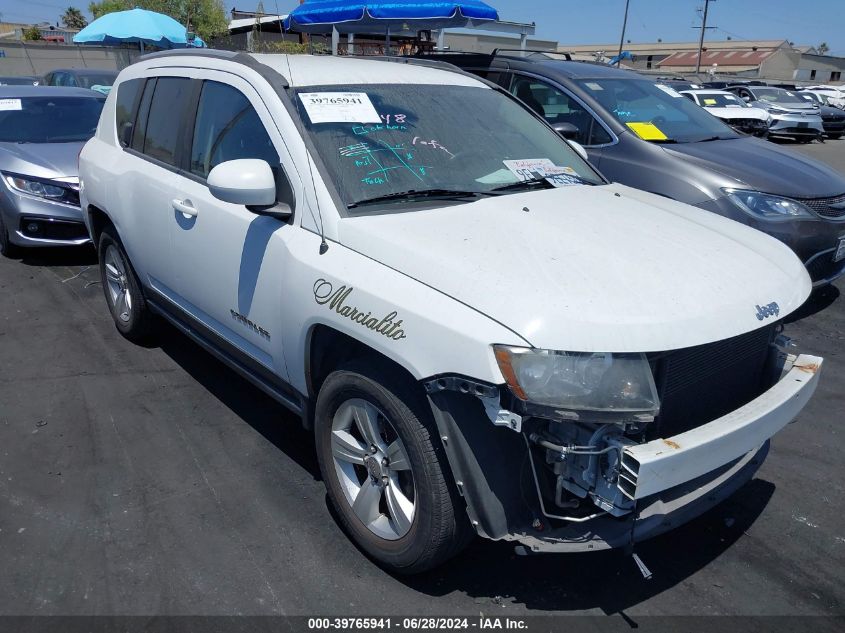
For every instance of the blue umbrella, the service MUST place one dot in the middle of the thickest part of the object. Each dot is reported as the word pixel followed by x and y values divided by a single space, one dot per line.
pixel 350 16
pixel 134 26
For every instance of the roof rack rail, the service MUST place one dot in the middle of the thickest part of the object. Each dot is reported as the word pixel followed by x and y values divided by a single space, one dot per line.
pixel 533 51
pixel 236 56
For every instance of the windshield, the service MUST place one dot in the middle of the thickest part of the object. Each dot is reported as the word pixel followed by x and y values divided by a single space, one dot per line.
pixel 719 100
pixel 48 119
pixel 813 97
pixel 655 113
pixel 88 80
pixel 381 142
pixel 776 95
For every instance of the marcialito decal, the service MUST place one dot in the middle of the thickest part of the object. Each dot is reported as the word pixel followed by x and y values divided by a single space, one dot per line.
pixel 326 295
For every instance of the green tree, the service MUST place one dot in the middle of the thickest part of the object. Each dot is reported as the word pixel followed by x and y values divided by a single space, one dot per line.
pixel 72 18
pixel 823 48
pixel 207 18
pixel 99 9
pixel 32 34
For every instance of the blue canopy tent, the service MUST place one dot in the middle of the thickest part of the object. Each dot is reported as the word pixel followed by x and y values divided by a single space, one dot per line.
pixel 380 16
pixel 134 26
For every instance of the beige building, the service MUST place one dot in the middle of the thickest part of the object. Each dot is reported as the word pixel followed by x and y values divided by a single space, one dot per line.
pixel 769 59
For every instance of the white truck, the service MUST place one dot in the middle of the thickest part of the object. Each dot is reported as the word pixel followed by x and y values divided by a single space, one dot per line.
pixel 485 336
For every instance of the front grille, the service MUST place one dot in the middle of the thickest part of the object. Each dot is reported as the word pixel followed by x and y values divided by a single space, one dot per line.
pixel 824 206
pixel 699 384
pixel 823 267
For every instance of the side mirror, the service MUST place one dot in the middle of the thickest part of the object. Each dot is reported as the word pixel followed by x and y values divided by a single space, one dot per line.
pixel 580 149
pixel 246 181
pixel 566 130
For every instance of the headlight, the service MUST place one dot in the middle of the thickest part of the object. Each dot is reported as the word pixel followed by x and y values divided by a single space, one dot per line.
pixel 767 206
pixel 579 380
pixel 35 187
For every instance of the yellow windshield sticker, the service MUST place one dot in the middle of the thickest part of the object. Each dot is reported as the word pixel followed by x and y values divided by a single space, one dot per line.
pixel 709 102
pixel 647 131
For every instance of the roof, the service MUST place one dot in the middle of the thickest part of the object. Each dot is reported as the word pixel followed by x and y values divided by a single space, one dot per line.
pixel 582 70
pixel 10 92
pixel 707 91
pixel 246 24
pixel 316 70
pixel 732 58
pixel 86 71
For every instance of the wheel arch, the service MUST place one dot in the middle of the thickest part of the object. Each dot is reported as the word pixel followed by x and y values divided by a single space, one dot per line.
pixel 327 348
pixel 97 220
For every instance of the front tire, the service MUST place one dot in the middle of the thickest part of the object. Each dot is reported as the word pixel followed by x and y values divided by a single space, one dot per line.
pixel 385 470
pixel 7 249
pixel 132 316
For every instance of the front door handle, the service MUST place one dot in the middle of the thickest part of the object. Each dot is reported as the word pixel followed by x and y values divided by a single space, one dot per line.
pixel 184 207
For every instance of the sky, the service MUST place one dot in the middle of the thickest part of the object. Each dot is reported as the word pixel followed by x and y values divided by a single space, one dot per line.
pixel 600 21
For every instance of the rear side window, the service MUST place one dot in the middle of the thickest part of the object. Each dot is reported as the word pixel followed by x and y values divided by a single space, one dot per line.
pixel 227 128
pixel 162 130
pixel 143 114
pixel 127 97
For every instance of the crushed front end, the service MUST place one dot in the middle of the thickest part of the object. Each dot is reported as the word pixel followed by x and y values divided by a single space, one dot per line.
pixel 671 435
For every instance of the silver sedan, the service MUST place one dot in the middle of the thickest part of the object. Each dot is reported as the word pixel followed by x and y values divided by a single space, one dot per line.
pixel 42 130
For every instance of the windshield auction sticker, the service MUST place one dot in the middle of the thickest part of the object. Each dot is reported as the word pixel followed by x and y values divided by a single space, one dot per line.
pixel 339 107
pixel 10 104
pixel 528 169
pixel 647 131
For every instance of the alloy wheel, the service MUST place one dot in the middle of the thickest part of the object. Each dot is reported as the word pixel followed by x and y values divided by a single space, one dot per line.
pixel 373 469
pixel 118 284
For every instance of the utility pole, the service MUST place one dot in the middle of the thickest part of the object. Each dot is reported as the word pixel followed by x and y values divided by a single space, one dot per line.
pixel 622 39
pixel 701 39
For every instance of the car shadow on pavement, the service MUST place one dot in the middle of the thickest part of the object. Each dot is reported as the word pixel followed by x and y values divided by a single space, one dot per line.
pixel 494 576
pixel 61 256
pixel 274 422
pixel 819 299
pixel 489 572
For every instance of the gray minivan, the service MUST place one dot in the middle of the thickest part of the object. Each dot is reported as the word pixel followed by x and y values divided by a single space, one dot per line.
pixel 648 136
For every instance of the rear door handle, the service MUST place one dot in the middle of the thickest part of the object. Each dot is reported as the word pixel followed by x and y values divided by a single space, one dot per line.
pixel 184 207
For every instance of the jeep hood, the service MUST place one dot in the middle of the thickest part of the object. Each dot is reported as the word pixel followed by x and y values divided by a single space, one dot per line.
pixel 763 166
pixel 584 268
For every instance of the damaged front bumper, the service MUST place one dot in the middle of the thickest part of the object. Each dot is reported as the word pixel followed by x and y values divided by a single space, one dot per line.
pixel 669 481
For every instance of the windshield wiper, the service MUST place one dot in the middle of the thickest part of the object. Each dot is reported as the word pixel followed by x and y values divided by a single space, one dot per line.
pixel 524 184
pixel 443 194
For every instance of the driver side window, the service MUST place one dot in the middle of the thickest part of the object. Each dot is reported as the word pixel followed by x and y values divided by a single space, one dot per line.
pixel 558 107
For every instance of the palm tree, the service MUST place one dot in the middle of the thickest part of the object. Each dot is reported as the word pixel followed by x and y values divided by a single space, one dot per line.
pixel 823 48
pixel 72 18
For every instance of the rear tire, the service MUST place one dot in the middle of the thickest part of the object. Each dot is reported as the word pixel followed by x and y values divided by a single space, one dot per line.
pixel 385 470
pixel 834 137
pixel 130 312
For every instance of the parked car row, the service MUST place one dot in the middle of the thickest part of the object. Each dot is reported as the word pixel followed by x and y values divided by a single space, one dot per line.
pixel 98 80
pixel 646 135
pixel 486 335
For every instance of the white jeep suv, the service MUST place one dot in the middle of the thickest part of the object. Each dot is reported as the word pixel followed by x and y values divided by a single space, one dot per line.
pixel 485 336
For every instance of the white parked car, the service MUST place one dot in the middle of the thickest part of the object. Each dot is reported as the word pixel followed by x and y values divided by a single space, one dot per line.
pixel 741 116
pixel 485 336
pixel 835 94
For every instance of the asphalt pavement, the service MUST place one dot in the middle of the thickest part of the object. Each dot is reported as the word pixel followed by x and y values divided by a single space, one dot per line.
pixel 153 480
